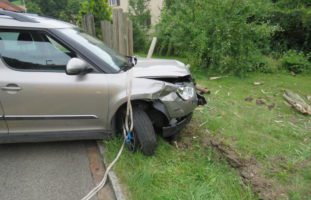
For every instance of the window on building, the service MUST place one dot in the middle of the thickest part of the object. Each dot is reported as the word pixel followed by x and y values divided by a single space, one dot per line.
pixel 114 2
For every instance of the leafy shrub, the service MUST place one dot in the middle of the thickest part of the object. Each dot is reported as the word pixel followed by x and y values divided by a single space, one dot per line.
pixel 140 15
pixel 221 35
pixel 267 64
pixel 296 62
pixel 100 9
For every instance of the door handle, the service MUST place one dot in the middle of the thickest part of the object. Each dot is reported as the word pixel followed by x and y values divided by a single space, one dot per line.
pixel 11 87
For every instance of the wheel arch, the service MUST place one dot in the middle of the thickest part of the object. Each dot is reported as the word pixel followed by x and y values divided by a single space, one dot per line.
pixel 156 109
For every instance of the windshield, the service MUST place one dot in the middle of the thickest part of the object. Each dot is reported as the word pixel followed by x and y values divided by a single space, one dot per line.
pixel 99 48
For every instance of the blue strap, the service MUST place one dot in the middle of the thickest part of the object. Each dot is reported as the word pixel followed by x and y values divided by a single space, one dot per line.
pixel 129 137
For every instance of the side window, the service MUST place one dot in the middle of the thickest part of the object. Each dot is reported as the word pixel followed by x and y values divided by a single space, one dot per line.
pixel 33 50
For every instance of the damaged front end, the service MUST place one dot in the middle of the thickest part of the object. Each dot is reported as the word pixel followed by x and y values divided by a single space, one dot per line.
pixel 177 101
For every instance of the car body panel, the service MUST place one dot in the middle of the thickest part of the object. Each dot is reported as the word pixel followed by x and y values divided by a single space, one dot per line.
pixel 53 101
pixel 155 68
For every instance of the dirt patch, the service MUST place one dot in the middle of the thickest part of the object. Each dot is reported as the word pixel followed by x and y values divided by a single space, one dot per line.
pixel 249 170
pixel 260 102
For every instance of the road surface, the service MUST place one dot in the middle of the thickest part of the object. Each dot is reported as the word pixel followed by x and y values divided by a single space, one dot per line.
pixel 51 171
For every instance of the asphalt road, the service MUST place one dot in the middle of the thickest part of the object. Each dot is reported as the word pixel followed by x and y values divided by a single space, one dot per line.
pixel 50 171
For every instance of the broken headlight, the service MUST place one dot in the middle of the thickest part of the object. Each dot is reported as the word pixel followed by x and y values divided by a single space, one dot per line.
pixel 186 92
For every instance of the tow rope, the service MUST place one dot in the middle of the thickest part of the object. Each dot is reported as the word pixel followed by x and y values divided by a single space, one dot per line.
pixel 127 133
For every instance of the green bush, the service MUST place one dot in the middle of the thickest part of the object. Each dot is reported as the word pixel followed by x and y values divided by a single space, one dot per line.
pixel 267 64
pixel 140 15
pixel 224 36
pixel 296 62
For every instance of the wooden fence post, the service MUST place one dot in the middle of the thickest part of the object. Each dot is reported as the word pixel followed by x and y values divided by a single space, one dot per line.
pixel 130 36
pixel 106 28
pixel 88 24
pixel 119 34
pixel 115 32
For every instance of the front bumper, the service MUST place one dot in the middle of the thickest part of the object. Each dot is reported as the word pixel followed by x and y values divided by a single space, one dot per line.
pixel 176 128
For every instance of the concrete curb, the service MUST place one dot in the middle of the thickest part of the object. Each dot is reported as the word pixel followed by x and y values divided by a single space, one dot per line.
pixel 116 187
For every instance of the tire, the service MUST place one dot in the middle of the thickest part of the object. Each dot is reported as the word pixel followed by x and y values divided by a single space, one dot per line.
pixel 143 132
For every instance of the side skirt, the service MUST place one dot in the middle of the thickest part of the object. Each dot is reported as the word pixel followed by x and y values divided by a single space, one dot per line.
pixel 51 137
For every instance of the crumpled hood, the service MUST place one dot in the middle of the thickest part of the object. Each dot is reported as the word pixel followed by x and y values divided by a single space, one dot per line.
pixel 159 68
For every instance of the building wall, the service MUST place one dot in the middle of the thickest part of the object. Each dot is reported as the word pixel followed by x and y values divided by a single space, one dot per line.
pixel 155 7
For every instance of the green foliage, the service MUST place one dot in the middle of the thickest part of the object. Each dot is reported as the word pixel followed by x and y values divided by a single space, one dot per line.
pixel 295 19
pixel 296 62
pixel 99 8
pixel 61 9
pixel 139 13
pixel 221 35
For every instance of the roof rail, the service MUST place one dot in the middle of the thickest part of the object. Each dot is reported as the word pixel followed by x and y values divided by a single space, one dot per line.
pixel 17 16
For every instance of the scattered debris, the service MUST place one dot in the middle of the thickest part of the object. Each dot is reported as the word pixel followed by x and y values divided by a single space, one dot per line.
pixel 214 78
pixel 260 102
pixel 217 92
pixel 202 90
pixel 270 107
pixel 258 83
pixel 176 144
pixel 297 102
pixel 264 92
pixel 203 124
pixel 249 99
pixel 293 73
pixel 309 97
pixel 278 121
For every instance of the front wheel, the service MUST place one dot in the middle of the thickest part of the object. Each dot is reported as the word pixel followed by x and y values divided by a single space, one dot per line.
pixel 143 137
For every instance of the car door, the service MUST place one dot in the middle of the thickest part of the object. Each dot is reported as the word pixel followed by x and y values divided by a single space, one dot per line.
pixel 36 93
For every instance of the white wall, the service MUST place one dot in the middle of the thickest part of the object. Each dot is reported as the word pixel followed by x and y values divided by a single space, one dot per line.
pixel 155 7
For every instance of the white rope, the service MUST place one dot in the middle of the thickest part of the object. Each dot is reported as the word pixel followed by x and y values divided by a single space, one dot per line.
pixel 128 127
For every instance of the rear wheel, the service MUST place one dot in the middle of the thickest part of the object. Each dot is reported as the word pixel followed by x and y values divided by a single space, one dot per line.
pixel 143 137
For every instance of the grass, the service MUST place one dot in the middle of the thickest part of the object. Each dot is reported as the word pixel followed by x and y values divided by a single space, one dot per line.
pixel 177 174
pixel 278 139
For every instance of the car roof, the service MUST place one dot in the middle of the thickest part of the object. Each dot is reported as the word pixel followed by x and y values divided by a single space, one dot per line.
pixel 25 20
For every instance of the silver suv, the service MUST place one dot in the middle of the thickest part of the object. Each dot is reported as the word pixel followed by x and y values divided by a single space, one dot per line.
pixel 59 83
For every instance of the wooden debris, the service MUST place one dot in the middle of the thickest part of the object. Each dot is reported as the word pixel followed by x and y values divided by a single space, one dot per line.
pixel 260 102
pixel 202 90
pixel 214 78
pixel 297 102
pixel 249 99
pixel 258 83
pixel 270 107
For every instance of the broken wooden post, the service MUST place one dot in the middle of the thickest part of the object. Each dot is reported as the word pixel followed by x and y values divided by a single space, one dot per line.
pixel 297 102
pixel 152 47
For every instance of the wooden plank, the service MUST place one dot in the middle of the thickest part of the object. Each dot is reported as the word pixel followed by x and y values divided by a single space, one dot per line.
pixel 130 38
pixel 106 28
pixel 115 31
pixel 125 34
pixel 152 47
pixel 121 32
pixel 88 24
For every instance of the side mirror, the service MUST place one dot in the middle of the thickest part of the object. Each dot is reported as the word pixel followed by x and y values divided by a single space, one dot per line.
pixel 132 59
pixel 77 66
